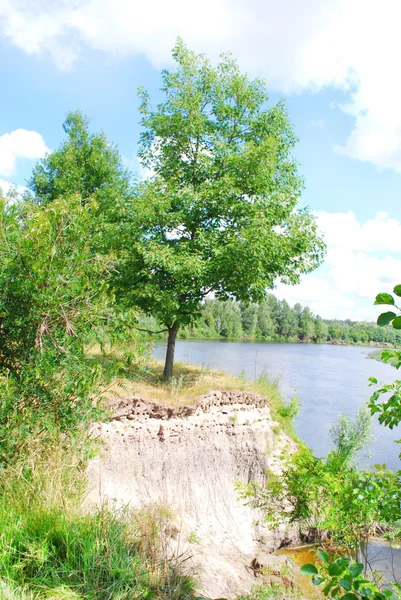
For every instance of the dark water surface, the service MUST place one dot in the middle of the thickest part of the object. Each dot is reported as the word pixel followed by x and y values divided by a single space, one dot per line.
pixel 328 380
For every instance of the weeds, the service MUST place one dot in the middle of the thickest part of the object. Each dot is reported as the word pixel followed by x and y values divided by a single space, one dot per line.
pixel 50 549
pixel 176 384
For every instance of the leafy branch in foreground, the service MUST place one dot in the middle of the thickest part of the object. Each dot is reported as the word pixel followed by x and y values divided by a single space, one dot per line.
pixel 388 409
pixel 343 578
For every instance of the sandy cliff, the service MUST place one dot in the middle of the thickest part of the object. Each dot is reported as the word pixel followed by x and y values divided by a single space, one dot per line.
pixel 188 458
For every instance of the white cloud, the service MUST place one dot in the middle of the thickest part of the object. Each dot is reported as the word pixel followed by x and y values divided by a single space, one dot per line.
pixel 19 144
pixel 353 45
pixel 318 292
pixel 379 234
pixel 362 260
pixel 8 186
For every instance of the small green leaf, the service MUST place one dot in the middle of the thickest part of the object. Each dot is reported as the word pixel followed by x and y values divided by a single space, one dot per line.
pixel 386 318
pixel 309 569
pixel 323 556
pixel 387 355
pixel 316 580
pixel 397 290
pixel 345 584
pixel 356 569
pixel 372 380
pixel 384 299
pixel 397 323
pixel 327 588
pixel 349 596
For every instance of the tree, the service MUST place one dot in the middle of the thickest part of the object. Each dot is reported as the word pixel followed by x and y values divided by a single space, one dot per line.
pixel 265 323
pixel 220 212
pixel 85 164
pixel 249 318
pixel 287 321
pixel 227 318
pixel 306 324
pixel 321 329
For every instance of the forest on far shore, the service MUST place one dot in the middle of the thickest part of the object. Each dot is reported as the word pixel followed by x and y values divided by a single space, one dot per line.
pixel 275 320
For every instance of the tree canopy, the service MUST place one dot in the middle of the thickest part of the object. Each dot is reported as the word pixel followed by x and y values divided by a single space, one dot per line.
pixel 85 164
pixel 220 212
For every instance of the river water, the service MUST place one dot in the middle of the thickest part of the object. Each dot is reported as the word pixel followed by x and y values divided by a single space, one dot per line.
pixel 327 379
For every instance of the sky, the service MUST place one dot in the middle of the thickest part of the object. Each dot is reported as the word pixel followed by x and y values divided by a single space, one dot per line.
pixel 335 62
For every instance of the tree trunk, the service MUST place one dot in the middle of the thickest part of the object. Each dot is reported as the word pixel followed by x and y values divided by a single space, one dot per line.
pixel 172 336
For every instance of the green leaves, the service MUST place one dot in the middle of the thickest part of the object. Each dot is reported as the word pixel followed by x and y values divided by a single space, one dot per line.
pixel 386 318
pixel 384 299
pixel 356 569
pixel 389 409
pixel 309 569
pixel 86 164
pixel 323 556
pixel 389 317
pixel 397 322
pixel 342 578
pixel 54 299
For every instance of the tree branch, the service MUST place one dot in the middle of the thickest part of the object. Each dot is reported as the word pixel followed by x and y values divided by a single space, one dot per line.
pixel 149 331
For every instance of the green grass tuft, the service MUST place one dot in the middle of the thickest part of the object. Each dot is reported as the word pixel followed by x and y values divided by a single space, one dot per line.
pixel 49 549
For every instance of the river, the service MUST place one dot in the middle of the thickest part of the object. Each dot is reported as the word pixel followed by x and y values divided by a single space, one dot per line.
pixel 328 380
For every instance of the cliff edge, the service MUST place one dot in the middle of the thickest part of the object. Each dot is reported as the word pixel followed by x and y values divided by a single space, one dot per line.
pixel 188 458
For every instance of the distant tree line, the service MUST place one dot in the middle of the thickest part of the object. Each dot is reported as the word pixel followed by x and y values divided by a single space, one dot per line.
pixel 276 320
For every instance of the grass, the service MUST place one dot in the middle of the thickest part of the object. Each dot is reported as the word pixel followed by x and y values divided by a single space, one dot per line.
pixel 272 591
pixel 146 381
pixel 50 549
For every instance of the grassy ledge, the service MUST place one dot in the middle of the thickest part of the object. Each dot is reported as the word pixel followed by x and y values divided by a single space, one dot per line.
pixel 191 381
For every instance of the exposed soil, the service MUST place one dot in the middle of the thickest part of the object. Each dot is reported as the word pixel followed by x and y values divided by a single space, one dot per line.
pixel 188 458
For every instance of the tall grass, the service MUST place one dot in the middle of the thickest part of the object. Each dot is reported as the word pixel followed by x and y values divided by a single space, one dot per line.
pixel 50 549
pixel 282 411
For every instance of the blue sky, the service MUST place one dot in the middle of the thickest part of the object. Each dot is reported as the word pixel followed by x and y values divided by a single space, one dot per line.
pixel 334 61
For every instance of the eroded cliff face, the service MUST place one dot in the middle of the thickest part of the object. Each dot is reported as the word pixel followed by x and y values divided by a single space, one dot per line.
pixel 188 459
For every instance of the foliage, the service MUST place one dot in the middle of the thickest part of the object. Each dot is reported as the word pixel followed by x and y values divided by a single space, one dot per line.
pixel 54 299
pixel 272 591
pixel 388 409
pixel 49 549
pixel 331 498
pixel 291 409
pixel 350 436
pixel 275 320
pixel 220 212
pixel 85 165
pixel 343 578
